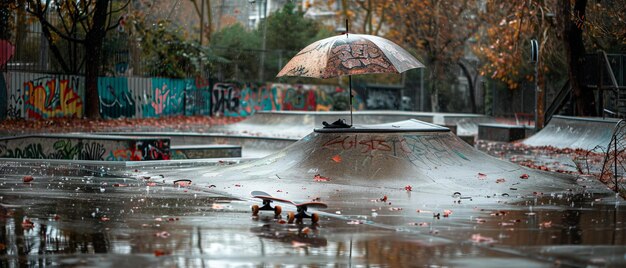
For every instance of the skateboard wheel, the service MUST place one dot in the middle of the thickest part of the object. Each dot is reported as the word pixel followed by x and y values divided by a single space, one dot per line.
pixel 290 217
pixel 255 210
pixel 278 210
pixel 315 218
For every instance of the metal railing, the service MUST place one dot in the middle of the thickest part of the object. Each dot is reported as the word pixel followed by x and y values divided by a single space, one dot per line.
pixel 613 164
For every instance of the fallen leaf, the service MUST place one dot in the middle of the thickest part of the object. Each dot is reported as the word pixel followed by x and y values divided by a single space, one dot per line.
pixel 27 224
pixel 336 158
pixel 182 183
pixel 477 238
pixel 320 178
pixel 27 178
pixel 159 252
pixel 546 224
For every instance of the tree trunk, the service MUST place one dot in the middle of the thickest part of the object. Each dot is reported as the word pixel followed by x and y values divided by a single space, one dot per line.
pixel 471 86
pixel 434 89
pixel 92 99
pixel 573 23
pixel 20 31
pixel 93 54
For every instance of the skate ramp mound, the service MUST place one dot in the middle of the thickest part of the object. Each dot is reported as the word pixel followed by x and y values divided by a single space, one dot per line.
pixel 417 165
pixel 574 132
pixel 297 124
pixel 398 154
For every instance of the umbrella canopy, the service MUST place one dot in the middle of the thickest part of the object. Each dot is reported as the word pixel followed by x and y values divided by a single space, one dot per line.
pixel 349 54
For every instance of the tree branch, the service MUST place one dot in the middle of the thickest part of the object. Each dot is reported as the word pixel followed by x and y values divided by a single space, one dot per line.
pixel 45 24
pixel 111 27
pixel 382 20
pixel 195 6
pixel 63 19
pixel 119 9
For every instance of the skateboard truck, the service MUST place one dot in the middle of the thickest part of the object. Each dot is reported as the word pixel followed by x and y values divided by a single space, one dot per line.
pixel 266 206
pixel 301 214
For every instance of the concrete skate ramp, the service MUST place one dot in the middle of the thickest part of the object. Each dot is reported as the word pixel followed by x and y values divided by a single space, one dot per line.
pixel 297 124
pixel 86 147
pixel 252 146
pixel 353 169
pixel 468 126
pixel 574 132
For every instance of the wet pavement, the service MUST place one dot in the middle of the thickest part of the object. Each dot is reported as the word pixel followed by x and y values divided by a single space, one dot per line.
pixel 82 219
pixel 430 201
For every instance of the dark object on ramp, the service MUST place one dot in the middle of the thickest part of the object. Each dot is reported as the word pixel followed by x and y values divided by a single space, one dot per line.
pixel 340 123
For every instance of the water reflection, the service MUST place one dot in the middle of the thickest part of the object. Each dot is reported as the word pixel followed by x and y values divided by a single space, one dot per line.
pixel 78 224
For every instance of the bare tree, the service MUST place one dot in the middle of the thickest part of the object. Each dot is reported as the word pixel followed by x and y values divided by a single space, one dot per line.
pixel 83 24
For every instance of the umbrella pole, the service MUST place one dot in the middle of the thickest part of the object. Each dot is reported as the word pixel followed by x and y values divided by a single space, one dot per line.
pixel 349 81
pixel 350 96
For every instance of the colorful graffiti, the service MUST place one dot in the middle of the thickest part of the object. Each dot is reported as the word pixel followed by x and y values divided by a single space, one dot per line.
pixel 142 150
pixel 225 99
pixel 39 96
pixel 149 97
pixel 299 99
pixel 50 96
pixel 229 100
pixel 84 149
pixel 115 99
pixel 261 98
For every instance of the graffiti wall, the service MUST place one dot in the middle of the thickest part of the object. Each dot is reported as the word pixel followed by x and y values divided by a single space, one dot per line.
pixel 133 97
pixel 67 147
pixel 383 99
pixel 40 96
pixel 204 151
pixel 230 99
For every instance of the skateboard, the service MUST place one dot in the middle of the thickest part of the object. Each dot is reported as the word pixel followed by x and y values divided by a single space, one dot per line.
pixel 298 216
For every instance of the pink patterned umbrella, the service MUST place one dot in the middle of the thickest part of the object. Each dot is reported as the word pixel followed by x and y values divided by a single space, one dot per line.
pixel 349 54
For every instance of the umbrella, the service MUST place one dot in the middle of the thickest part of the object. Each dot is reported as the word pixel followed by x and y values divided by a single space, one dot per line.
pixel 349 54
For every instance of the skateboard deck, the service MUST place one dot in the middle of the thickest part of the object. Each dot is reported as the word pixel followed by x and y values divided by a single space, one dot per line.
pixel 265 196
